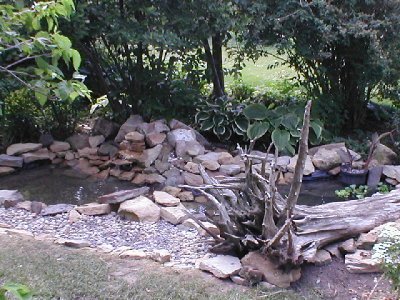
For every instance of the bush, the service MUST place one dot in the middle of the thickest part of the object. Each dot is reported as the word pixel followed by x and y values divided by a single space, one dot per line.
pixel 24 119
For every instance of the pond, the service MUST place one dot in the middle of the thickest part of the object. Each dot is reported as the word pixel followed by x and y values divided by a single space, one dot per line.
pixel 52 185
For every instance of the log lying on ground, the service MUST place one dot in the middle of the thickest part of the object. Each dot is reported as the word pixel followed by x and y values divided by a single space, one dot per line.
pixel 254 216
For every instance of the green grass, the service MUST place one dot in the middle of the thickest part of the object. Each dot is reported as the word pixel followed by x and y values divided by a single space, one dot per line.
pixel 55 272
pixel 257 74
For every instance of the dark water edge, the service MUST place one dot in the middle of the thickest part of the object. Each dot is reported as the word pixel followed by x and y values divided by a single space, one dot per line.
pixel 51 185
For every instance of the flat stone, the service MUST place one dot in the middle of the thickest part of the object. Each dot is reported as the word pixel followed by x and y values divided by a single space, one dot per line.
pixel 188 148
pixel 25 205
pixel 384 155
pixel 155 138
pixel 134 136
pixel 10 195
pixel 150 155
pixel 251 275
pixel 56 209
pixel 172 190
pixel 76 243
pixel 362 262
pixel 41 154
pixel 161 256
pixel 121 196
pixel 94 209
pixel 6 171
pixel 140 209
pixel 87 152
pixel 174 177
pixel 165 199
pixel 180 135
pixel 308 169
pixel 221 266
pixel 392 172
pixel 37 206
pixel 214 156
pixel 271 272
pixel 11 161
pixel 127 176
pixel 134 254
pixel 211 227
pixel 230 170
pixel 333 146
pixel 192 167
pixel 73 216
pixel 174 215
pixel 141 179
pixel 108 149
pixel 16 149
pixel 210 165
pixel 348 246
pixel 322 257
pixel 58 146
pixel 185 196
pixel 367 240
pixel 326 159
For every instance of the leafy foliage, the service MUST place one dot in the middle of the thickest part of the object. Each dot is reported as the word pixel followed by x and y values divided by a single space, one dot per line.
pixel 19 291
pixel 352 192
pixel 33 52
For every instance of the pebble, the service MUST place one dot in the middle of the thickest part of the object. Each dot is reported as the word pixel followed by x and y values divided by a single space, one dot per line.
pixel 186 246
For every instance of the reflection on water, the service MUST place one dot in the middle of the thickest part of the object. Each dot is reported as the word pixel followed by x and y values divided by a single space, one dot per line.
pixel 316 192
pixel 51 185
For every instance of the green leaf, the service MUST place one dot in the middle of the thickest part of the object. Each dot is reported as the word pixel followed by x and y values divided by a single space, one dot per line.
pixel 201 116
pixel 207 124
pixel 62 41
pixel 317 128
pixel 280 138
pixel 19 291
pixel 290 121
pixel 219 130
pixel 76 59
pixel 218 120
pixel 242 124
pixel 41 97
pixel 257 130
pixel 256 111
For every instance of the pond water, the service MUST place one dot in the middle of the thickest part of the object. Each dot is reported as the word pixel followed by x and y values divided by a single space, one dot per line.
pixel 52 185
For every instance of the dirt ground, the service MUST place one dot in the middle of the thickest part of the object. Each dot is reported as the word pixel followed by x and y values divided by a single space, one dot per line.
pixel 57 272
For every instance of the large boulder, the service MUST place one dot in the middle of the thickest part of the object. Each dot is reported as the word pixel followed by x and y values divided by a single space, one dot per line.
pixel 221 266
pixel 308 169
pixel 11 161
pixel 175 124
pixel 96 140
pixel 176 135
pixel 361 261
pixel 78 141
pixel 105 127
pixel 16 149
pixel 130 125
pixel 326 159
pixel 271 272
pixel 333 146
pixel 384 155
pixel 140 209
pixel 121 196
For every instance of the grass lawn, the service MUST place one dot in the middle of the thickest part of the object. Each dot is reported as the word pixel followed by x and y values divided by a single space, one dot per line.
pixel 56 272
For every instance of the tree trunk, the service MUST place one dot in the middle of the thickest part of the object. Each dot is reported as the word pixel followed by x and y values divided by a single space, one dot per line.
pixel 217 88
pixel 218 59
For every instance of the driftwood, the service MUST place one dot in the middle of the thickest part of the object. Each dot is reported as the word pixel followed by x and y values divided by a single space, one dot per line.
pixel 254 216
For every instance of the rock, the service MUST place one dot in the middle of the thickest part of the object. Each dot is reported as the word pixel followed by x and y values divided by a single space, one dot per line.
pixel 150 155
pixel 322 257
pixel 174 215
pixel 333 146
pixel 188 148
pixel 308 169
pixel 165 199
pixel 130 125
pixel 200 199
pixel 103 175
pixel 69 155
pixel 192 167
pixel 155 138
pixel 75 243
pixel 333 250
pixel 172 190
pixel 16 149
pixel 73 216
pixel 362 262
pixel 367 240
pixel 251 275
pixel 192 179
pixel 95 141
pixel 127 176
pixel 25 205
pixel 37 207
pixel 240 280
pixel 271 272
pixel 210 165
pixel 161 256
pixel 58 146
pixel 161 166
pixel 230 170
pixel 344 156
pixel 46 139
pixel 176 135
pixel 185 196
pixel 11 161
pixel 334 171
pixel 218 157
pixel 87 152
pixel 282 162
pixel 107 149
pixel 384 155
pixel 221 266
pixel 374 176
pixel 135 137
pixel 326 159
pixel 175 124
pixel 41 154
pixel 121 196
pixel 348 246
pixel 78 141
pixel 392 172
pixel 174 177
pixel 140 209
pixel 141 179
pixel 94 209
pixel 134 254
pixel 83 169
pixel 56 209
pixel 105 127
pixel 10 196
pixel 6 171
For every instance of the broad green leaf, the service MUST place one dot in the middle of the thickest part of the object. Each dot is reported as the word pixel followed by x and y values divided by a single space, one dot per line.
pixel 19 291
pixel 290 149
pixel 41 97
pixel 76 59
pixel 290 121
pixel 218 120
pixel 207 124
pixel 201 116
pixel 219 130
pixel 257 130
pixel 280 138
pixel 62 41
pixel 242 124
pixel 317 128
pixel 256 111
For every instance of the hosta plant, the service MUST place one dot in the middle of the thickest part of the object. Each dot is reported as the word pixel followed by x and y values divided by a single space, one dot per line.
pixel 282 123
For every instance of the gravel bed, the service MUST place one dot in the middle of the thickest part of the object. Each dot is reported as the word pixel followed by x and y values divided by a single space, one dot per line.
pixel 184 244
